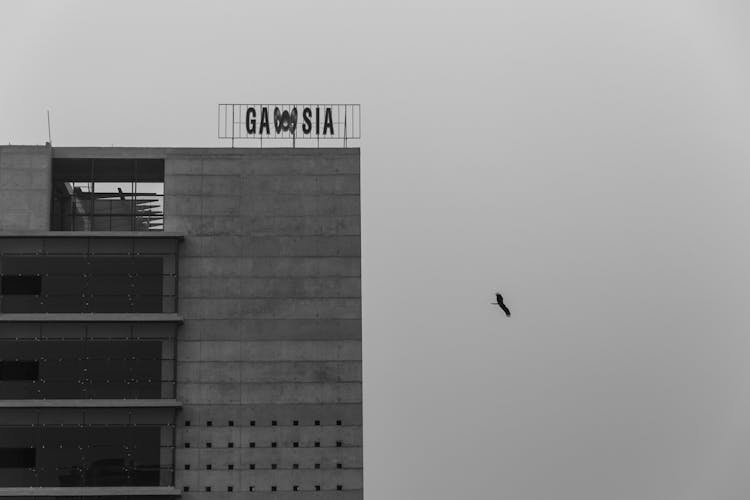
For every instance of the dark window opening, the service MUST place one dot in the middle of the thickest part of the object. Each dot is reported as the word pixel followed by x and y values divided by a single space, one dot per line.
pixel 187 466
pixel 339 466
pixel 296 422
pixel 19 370
pixel 230 488
pixel 274 466
pixel 186 488
pixel 252 444
pixel 317 422
pixel 22 285
pixel 17 458
pixel 317 487
pixel 339 487
pixel 208 466
pixel 273 488
pixel 230 466
pixel 91 194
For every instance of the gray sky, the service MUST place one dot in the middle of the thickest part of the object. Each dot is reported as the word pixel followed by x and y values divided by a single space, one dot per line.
pixel 587 158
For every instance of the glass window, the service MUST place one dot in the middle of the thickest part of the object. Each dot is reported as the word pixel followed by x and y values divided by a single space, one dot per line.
pixel 86 369
pixel 85 283
pixel 90 456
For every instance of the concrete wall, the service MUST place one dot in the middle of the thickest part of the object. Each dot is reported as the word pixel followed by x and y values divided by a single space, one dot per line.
pixel 270 353
pixel 25 188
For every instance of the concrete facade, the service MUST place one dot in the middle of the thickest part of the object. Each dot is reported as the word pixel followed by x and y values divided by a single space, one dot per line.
pixel 269 357
pixel 25 187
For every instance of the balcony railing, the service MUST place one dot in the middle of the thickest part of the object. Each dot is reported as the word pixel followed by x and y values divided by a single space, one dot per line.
pixel 73 453
pixel 88 275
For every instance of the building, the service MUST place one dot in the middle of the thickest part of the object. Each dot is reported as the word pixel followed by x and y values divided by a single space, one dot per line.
pixel 180 322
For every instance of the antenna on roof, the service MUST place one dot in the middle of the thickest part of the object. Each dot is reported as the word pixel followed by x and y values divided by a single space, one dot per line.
pixel 49 130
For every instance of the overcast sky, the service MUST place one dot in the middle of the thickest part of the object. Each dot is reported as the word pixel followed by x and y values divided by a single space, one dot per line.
pixel 587 158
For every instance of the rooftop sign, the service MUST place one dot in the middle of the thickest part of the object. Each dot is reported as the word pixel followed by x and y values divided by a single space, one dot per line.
pixel 295 123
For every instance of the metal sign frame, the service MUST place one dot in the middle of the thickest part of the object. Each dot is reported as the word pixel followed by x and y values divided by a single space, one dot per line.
pixel 290 124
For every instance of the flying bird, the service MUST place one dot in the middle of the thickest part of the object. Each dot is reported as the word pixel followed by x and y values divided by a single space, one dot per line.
pixel 502 306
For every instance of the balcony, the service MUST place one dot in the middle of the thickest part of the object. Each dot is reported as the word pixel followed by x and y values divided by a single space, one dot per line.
pixel 80 272
pixel 67 451
pixel 84 361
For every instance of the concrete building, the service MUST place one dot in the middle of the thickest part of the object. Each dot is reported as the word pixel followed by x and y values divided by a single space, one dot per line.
pixel 180 322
